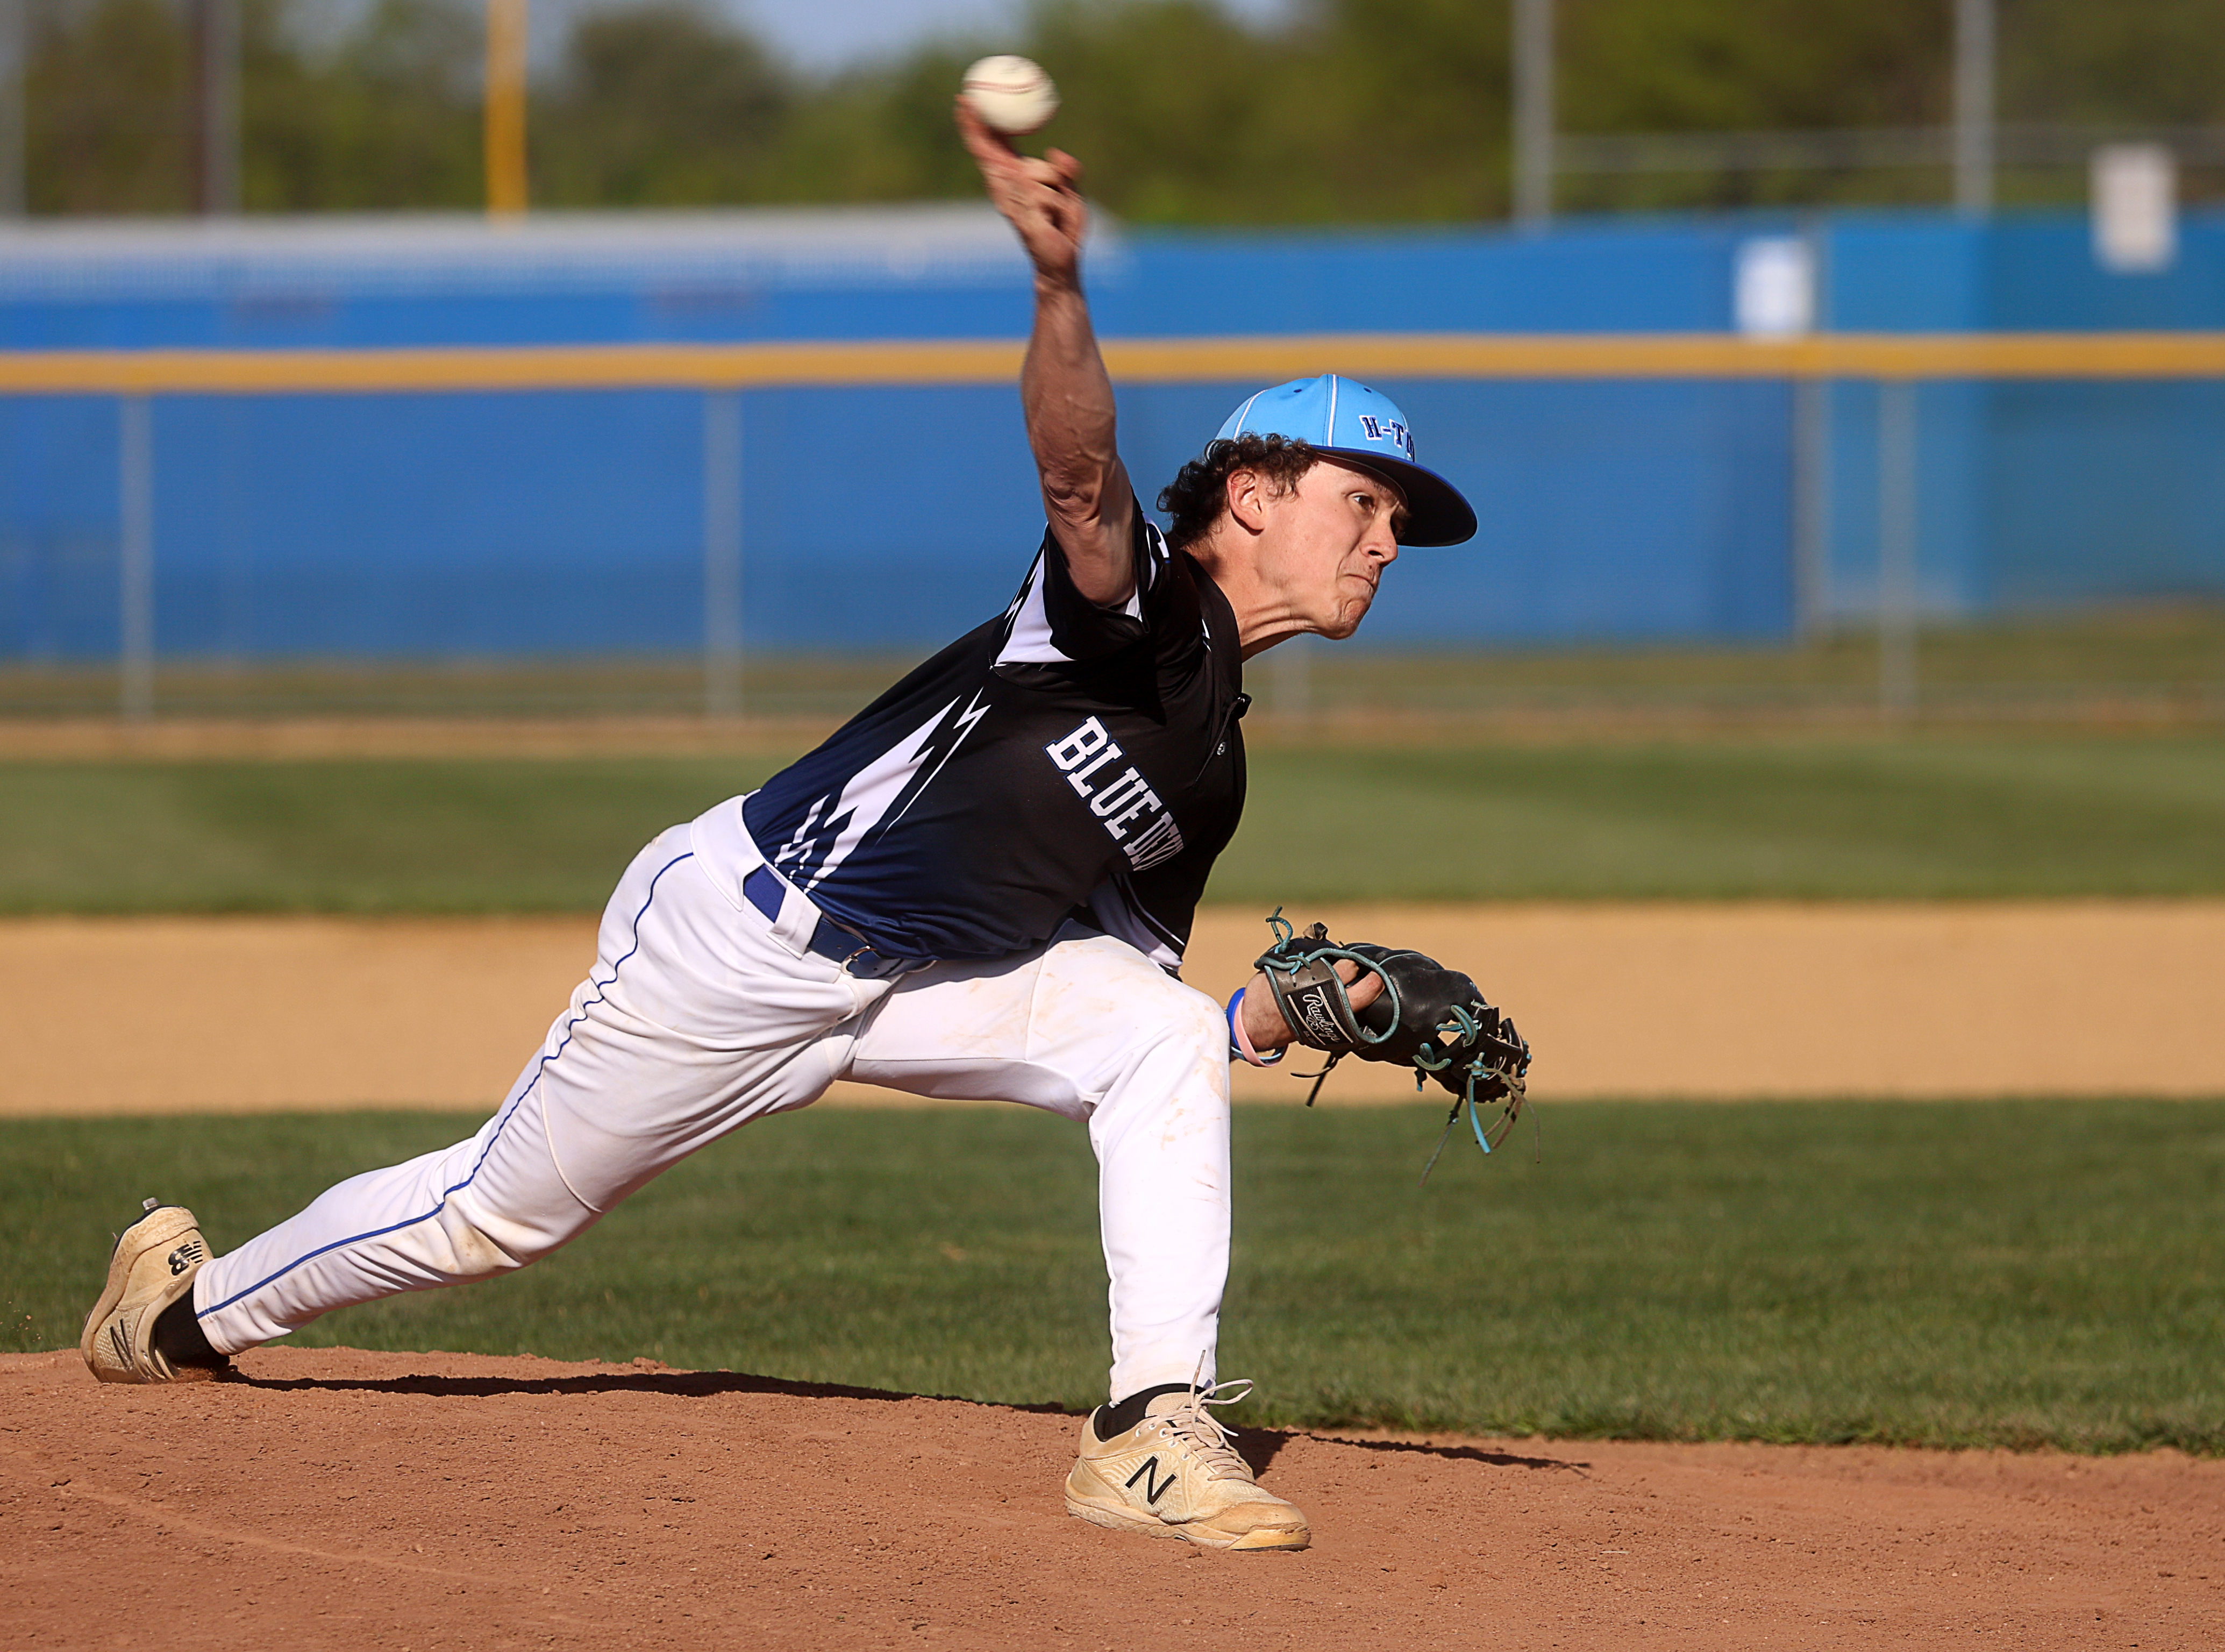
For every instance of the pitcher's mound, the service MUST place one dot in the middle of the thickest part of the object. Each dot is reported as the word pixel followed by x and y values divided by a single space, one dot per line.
pixel 336 1498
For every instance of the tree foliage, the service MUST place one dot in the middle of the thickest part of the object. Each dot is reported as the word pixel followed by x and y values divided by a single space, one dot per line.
pixel 107 89
pixel 1345 110
pixel 657 105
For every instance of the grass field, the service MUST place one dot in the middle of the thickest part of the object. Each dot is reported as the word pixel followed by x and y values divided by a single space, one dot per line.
pixel 1920 815
pixel 1996 1273
pixel 2164 660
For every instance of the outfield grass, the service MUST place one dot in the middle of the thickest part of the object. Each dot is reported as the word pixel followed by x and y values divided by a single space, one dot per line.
pixel 2162 660
pixel 1920 816
pixel 445 836
pixel 1959 1274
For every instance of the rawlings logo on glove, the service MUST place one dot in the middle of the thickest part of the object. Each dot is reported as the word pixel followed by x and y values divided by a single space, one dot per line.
pixel 1428 1017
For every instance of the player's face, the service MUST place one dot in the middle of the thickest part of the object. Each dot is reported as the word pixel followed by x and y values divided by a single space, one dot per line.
pixel 1331 538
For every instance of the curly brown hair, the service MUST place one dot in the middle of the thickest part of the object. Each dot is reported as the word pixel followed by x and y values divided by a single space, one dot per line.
pixel 1197 496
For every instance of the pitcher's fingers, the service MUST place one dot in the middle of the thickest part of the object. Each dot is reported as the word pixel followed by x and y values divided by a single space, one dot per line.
pixel 988 147
pixel 1046 174
pixel 1369 987
pixel 994 153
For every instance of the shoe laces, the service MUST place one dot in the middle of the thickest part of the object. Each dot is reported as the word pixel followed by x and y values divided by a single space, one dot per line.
pixel 1191 1420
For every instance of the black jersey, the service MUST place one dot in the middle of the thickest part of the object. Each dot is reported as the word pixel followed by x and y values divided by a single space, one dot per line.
pixel 1061 756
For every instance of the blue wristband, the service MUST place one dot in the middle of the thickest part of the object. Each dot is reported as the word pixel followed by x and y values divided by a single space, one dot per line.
pixel 1237 1046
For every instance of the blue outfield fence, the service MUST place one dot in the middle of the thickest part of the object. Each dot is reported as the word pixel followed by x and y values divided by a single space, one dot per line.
pixel 571 521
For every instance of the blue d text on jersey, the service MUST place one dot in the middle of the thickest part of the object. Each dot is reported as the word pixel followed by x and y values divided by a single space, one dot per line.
pixel 1127 796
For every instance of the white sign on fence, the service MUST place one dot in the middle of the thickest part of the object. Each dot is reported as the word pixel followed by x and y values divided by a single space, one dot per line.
pixel 1773 291
pixel 2135 207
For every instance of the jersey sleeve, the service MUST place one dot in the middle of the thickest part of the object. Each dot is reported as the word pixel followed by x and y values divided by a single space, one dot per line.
pixel 1052 621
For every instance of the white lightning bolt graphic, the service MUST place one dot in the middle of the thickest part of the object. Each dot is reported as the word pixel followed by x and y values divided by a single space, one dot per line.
pixel 974 713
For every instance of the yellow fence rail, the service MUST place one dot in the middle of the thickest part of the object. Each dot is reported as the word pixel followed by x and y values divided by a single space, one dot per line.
pixel 1895 362
pixel 1136 361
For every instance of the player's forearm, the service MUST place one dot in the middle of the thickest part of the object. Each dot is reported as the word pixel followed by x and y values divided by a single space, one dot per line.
pixel 1264 1023
pixel 1067 397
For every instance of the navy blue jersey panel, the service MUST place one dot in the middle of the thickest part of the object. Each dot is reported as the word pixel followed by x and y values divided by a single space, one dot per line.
pixel 1062 756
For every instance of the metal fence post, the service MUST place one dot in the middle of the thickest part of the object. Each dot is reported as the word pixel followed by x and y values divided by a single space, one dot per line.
pixel 136 558
pixel 216 30
pixel 1974 35
pixel 1897 547
pixel 1533 111
pixel 14 45
pixel 1811 507
pixel 722 553
pixel 1812 477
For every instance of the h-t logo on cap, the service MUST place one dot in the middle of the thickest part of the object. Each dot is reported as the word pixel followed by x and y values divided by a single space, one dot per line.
pixel 1388 429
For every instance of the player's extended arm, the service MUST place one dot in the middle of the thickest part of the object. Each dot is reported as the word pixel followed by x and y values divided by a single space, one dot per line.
pixel 1064 387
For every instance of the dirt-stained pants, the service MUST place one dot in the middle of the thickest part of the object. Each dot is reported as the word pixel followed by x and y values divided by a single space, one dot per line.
pixel 701 1016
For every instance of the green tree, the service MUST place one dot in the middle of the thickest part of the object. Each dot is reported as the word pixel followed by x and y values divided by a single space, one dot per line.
pixel 659 105
pixel 2146 62
pixel 387 120
pixel 105 86
pixel 879 135
pixel 1343 111
pixel 1186 114
pixel 1706 66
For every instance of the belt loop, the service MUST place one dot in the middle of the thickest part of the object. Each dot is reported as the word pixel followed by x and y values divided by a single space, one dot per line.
pixel 799 916
pixel 729 835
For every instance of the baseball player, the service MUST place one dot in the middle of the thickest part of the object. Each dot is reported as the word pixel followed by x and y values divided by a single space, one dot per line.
pixel 980 886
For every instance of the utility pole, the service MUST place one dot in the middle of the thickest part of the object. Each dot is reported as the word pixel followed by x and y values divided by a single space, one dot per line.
pixel 134 572
pixel 1533 112
pixel 1974 107
pixel 15 49
pixel 1897 547
pixel 216 107
pixel 505 108
pixel 722 553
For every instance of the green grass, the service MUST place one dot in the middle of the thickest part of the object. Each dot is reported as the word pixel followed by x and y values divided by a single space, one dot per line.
pixel 2161 660
pixel 1922 816
pixel 2014 1273
pixel 1919 816
pixel 408 835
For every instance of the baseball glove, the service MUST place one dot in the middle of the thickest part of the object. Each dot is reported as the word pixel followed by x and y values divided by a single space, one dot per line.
pixel 1428 1017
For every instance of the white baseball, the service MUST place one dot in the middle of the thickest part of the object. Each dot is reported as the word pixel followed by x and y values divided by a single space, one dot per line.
pixel 1012 95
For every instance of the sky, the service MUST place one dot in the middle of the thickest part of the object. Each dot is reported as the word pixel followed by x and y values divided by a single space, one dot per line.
pixel 823 36
pixel 818 36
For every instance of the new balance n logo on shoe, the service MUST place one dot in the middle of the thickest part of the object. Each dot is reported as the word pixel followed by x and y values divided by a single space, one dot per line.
pixel 1154 1487
pixel 185 1255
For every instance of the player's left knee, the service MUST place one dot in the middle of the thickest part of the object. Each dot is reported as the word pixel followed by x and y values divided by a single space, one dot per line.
pixel 1174 1030
pixel 1189 1028
pixel 478 1247
pixel 475 1252
pixel 1201 1023
pixel 1166 1011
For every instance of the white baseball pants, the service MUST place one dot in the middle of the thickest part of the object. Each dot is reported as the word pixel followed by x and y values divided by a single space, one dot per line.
pixel 701 1016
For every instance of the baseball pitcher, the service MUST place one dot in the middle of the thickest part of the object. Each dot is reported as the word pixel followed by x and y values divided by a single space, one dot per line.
pixel 979 887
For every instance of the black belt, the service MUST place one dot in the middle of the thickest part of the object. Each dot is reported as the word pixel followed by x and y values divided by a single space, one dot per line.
pixel 857 956
pixel 853 951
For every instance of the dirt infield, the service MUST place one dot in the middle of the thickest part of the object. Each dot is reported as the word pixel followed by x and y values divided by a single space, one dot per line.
pixel 2066 998
pixel 339 1499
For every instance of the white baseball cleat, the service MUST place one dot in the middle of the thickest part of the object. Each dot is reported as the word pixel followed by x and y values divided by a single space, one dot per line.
pixel 153 1266
pixel 1176 1475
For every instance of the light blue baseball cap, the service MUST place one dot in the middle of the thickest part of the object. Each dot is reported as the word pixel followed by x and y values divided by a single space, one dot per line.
pixel 1346 420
